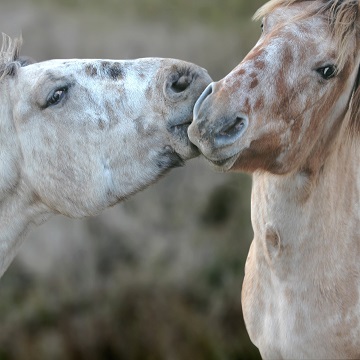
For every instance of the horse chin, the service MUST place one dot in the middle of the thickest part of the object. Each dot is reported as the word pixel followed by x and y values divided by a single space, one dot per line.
pixel 168 159
pixel 222 165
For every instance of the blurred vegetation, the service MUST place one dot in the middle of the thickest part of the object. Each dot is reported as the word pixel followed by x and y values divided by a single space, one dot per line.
pixel 127 314
pixel 215 12
pixel 166 284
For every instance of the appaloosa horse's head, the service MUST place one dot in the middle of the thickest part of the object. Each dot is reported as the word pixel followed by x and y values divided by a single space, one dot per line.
pixel 84 134
pixel 281 108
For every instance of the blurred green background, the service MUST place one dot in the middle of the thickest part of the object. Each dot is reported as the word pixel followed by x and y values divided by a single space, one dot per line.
pixel 158 277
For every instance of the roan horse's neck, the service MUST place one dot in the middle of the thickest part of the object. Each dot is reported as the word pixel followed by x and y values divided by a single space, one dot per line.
pixel 305 217
pixel 302 272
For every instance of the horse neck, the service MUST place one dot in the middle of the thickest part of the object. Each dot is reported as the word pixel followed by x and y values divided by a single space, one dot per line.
pixel 18 212
pixel 313 215
pixel 18 208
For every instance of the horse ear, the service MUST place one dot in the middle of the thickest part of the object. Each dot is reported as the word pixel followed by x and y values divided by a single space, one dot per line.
pixel 25 60
pixel 11 69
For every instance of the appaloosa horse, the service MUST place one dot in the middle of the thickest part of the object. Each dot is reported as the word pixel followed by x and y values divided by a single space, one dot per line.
pixel 289 114
pixel 78 136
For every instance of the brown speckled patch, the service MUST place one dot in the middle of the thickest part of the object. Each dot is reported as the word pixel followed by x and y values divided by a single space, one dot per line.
pixel 91 70
pixel 113 70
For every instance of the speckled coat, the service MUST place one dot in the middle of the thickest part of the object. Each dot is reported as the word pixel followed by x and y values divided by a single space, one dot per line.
pixel 288 114
pixel 78 136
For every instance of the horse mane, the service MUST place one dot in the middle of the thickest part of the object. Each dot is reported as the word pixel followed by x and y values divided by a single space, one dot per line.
pixel 9 55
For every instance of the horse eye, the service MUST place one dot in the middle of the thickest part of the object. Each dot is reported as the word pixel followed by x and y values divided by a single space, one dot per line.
pixel 56 96
pixel 327 72
pixel 262 27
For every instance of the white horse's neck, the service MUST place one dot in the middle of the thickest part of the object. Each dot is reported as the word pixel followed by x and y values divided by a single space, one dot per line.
pixel 18 208
pixel 18 211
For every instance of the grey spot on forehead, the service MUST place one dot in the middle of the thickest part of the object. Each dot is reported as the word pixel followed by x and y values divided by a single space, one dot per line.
pixel 113 70
pixel 68 64
pixel 91 70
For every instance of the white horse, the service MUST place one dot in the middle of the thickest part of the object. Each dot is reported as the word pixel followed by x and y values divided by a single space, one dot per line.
pixel 289 113
pixel 78 136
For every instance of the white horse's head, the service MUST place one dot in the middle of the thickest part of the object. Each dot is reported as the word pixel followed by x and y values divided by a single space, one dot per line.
pixel 83 134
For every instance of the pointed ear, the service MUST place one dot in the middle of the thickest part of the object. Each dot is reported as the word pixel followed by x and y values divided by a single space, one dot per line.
pixel 11 69
pixel 21 61
pixel 355 106
pixel 9 52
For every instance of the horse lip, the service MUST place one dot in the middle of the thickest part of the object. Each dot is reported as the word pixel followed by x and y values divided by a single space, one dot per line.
pixel 183 123
pixel 185 148
pixel 180 127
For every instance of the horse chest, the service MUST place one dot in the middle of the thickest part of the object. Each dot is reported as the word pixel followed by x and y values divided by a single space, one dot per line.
pixel 291 318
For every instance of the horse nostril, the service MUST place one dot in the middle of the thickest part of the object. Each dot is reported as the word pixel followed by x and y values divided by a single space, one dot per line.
pixel 176 85
pixel 181 84
pixel 231 130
